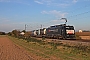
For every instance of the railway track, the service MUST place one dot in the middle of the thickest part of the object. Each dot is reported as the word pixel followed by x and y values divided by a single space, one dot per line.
pixel 78 40
pixel 72 42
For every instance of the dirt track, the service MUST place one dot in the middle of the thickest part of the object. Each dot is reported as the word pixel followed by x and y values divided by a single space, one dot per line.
pixel 10 51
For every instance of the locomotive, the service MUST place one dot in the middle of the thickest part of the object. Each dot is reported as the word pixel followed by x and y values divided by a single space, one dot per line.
pixel 57 31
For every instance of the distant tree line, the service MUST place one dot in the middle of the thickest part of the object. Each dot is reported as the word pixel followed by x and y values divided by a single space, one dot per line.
pixel 86 31
pixel 2 33
pixel 14 33
pixel 17 33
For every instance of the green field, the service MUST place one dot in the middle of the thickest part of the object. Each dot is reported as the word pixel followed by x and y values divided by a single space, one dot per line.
pixel 55 51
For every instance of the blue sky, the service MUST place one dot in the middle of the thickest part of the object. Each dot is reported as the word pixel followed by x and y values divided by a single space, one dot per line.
pixel 14 14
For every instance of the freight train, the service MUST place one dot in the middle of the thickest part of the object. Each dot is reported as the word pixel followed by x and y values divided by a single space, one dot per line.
pixel 57 31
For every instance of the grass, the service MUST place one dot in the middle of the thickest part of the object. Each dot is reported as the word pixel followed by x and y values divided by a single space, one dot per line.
pixel 49 50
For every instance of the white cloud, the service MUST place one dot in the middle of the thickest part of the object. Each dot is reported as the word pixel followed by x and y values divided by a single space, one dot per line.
pixel 56 13
pixel 58 21
pixel 44 12
pixel 47 2
pixel 59 3
pixel 38 2
pixel 75 1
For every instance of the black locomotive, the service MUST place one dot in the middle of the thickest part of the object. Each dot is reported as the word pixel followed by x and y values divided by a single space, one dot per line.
pixel 57 31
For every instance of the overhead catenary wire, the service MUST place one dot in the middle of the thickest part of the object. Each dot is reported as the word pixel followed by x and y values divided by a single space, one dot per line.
pixel 79 14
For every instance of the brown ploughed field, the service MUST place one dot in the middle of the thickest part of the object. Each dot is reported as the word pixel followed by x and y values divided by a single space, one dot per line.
pixel 10 51
pixel 83 35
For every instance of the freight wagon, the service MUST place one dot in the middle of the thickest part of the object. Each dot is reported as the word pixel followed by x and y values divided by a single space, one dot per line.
pixel 39 33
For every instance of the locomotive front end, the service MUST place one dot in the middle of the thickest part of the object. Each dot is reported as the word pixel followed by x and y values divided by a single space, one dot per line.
pixel 70 32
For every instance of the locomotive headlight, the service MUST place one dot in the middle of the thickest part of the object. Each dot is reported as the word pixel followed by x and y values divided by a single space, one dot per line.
pixel 70 31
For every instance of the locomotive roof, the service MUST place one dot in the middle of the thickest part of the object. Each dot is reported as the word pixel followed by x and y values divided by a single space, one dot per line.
pixel 62 25
pixel 57 25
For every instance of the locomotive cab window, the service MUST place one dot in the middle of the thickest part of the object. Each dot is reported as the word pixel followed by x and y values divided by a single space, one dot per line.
pixel 69 28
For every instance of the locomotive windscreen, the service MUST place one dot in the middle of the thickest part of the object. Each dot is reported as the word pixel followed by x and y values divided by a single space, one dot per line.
pixel 70 30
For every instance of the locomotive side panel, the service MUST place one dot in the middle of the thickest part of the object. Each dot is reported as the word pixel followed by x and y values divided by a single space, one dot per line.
pixel 54 32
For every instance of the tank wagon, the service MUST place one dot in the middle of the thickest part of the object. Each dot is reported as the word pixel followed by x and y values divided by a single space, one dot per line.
pixel 57 31
pixel 39 33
